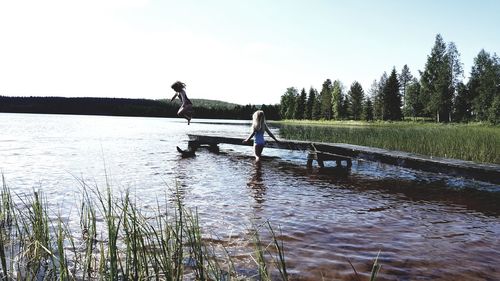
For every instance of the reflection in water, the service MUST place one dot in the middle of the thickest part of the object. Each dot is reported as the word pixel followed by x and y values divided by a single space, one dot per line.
pixel 404 184
pixel 256 184
pixel 182 178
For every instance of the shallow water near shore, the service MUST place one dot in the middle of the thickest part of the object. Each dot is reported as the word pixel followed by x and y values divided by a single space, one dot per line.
pixel 426 226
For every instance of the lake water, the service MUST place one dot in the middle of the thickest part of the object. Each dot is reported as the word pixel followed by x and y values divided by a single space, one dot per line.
pixel 426 226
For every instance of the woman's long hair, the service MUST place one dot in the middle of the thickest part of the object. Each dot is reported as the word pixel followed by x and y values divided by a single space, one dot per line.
pixel 258 121
pixel 178 86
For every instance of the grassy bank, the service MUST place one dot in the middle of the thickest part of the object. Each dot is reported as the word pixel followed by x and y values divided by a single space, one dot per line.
pixel 474 142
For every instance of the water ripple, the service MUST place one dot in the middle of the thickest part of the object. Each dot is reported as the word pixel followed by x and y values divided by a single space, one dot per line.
pixel 425 225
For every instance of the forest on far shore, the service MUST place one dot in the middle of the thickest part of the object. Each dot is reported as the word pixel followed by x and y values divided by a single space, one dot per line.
pixel 439 93
pixel 131 107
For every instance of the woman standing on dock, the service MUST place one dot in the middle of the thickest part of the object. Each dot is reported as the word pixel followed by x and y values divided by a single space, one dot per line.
pixel 259 126
pixel 186 109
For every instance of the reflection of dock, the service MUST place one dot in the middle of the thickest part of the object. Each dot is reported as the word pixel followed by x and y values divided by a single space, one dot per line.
pixel 345 152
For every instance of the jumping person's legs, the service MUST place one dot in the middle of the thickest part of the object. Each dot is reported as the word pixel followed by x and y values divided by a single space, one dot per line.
pixel 186 112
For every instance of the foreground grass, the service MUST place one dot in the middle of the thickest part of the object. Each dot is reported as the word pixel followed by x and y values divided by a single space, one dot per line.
pixel 116 241
pixel 473 142
pixel 119 241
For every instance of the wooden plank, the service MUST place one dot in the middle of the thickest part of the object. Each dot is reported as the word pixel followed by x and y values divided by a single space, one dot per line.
pixel 331 156
pixel 291 145
pixel 454 167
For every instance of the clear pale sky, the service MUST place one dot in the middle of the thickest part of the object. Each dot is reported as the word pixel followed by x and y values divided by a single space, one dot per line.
pixel 237 51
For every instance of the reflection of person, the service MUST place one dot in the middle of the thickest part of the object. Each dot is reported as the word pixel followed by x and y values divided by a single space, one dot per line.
pixel 256 183
pixel 259 126
pixel 186 109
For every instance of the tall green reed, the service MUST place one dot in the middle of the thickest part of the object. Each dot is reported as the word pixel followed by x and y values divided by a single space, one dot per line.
pixel 5 224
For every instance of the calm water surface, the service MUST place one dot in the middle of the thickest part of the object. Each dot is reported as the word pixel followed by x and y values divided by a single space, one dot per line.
pixel 426 226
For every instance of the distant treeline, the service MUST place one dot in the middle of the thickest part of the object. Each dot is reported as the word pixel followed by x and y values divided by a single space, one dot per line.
pixel 130 107
pixel 439 93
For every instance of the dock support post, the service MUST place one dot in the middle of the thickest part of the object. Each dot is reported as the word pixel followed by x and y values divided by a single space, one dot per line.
pixel 193 145
pixel 321 157
pixel 214 148
pixel 310 157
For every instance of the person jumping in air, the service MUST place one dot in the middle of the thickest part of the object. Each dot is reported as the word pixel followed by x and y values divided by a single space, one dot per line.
pixel 259 126
pixel 186 109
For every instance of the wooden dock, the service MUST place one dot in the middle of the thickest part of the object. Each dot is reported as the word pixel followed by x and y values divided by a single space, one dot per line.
pixel 340 152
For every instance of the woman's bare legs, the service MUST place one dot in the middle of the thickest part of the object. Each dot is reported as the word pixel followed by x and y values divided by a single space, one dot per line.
pixel 258 152
pixel 185 112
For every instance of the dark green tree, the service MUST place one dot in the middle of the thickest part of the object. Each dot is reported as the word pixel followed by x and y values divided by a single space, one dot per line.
pixel 405 79
pixel 316 112
pixel 337 100
pixel 392 98
pixel 345 110
pixel 301 105
pixel 311 99
pixel 356 96
pixel 271 111
pixel 436 82
pixel 414 107
pixel 484 84
pixel 455 67
pixel 367 110
pixel 462 105
pixel 326 100
pixel 288 104
pixel 377 92
pixel 494 111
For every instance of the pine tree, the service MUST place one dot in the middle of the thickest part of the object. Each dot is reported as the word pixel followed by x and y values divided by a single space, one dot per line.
pixel 456 74
pixel 436 82
pixel 288 104
pixel 494 111
pixel 404 79
pixel 462 105
pixel 414 107
pixel 326 100
pixel 392 98
pixel 310 103
pixel 455 67
pixel 316 113
pixel 484 84
pixel 337 100
pixel 356 96
pixel 344 110
pixel 301 105
pixel 367 110
pixel 378 97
